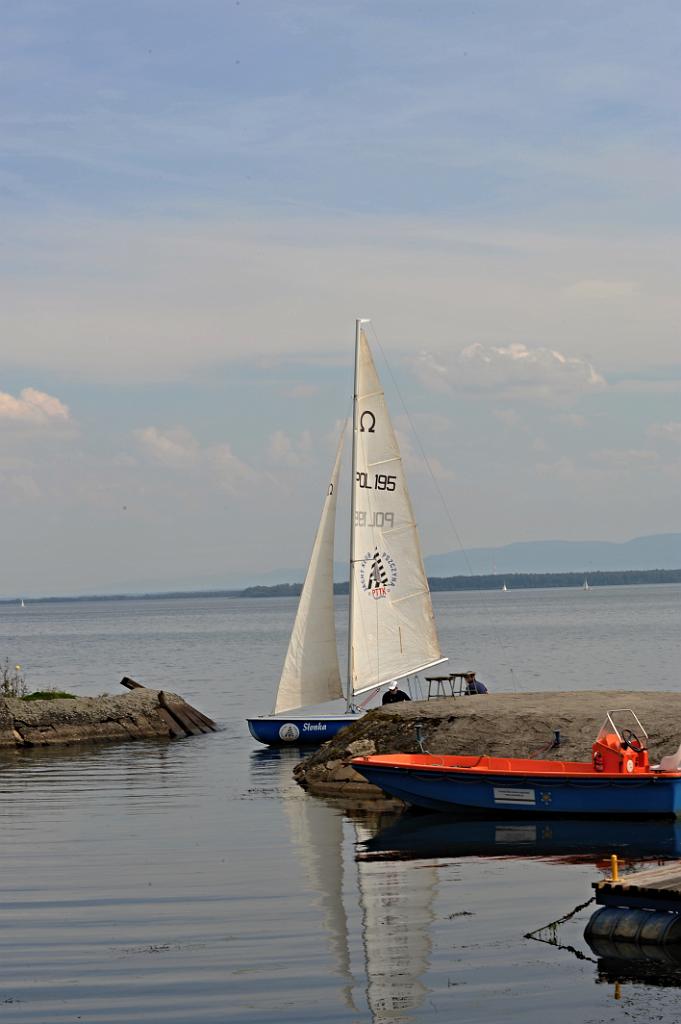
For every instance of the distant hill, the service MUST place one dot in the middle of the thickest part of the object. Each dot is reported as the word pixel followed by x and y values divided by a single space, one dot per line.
pixel 660 551
pixel 513 581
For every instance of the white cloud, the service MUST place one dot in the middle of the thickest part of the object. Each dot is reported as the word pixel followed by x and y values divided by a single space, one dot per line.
pixel 231 473
pixel 19 487
pixel 283 450
pixel 666 432
pixel 563 469
pixel 606 463
pixel 648 386
pixel 433 373
pixel 160 299
pixel 612 458
pixel 34 408
pixel 418 464
pixel 572 419
pixel 518 365
pixel 514 370
pixel 301 390
pixel 178 449
pixel 602 290
pixel 509 417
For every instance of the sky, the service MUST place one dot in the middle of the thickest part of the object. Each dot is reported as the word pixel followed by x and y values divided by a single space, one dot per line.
pixel 197 200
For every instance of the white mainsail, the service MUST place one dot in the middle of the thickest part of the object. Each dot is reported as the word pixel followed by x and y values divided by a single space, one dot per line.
pixel 311 673
pixel 392 626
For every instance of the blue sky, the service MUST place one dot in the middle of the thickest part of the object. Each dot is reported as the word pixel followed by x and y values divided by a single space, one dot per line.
pixel 197 201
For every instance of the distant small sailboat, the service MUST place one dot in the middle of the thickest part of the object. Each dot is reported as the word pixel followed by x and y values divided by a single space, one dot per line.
pixel 585 584
pixel 504 588
pixel 22 603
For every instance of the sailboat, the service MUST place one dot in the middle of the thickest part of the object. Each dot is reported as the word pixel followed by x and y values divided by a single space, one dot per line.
pixel 585 584
pixel 504 587
pixel 391 626
pixel 22 603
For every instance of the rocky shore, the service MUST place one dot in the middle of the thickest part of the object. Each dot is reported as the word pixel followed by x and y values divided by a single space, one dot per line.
pixel 520 725
pixel 140 714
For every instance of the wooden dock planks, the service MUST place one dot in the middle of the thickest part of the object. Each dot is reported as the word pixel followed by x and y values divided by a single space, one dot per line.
pixel 657 888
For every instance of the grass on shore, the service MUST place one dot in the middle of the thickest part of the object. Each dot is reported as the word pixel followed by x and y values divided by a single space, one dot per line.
pixel 13 684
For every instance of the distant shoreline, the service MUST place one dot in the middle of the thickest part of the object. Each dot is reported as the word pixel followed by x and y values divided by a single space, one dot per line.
pixel 512 581
pixel 438 584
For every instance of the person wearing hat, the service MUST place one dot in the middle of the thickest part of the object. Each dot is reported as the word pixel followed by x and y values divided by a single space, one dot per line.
pixel 393 694
pixel 474 685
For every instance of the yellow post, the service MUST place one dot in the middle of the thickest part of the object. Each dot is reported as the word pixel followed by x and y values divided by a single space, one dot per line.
pixel 614 872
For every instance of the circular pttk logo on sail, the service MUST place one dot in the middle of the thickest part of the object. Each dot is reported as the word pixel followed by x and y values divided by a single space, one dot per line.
pixel 377 573
pixel 289 732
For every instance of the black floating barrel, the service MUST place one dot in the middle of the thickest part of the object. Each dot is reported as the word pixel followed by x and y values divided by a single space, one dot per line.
pixel 611 928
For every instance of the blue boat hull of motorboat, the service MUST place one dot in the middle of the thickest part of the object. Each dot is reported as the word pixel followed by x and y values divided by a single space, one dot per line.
pixel 654 796
pixel 298 731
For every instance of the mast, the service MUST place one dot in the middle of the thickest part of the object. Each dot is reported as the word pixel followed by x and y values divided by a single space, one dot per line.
pixel 353 478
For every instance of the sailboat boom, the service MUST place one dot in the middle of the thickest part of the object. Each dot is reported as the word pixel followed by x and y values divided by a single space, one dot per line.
pixel 412 672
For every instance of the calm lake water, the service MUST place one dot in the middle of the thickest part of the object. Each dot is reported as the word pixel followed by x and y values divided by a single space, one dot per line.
pixel 194 882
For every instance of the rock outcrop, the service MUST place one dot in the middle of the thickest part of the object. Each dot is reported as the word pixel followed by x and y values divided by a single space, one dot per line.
pixel 511 725
pixel 140 714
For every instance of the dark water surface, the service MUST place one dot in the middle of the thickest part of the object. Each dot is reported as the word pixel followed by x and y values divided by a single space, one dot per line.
pixel 195 882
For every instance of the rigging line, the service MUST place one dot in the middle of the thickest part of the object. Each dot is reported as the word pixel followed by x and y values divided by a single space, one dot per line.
pixel 448 514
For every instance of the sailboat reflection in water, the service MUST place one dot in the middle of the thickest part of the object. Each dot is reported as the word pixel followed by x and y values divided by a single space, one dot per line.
pixel 395 915
pixel 391 627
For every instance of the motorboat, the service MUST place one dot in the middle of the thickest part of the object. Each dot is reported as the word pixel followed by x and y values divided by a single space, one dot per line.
pixel 618 780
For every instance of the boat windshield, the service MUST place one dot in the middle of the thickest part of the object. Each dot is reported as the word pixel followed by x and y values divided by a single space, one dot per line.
pixel 625 725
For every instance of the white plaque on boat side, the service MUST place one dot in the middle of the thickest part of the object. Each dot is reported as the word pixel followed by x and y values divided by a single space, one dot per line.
pixel 506 795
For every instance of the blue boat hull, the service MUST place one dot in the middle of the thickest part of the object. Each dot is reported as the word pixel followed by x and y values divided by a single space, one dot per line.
pixel 652 796
pixel 298 731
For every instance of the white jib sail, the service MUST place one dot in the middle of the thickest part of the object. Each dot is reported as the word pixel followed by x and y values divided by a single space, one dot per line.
pixel 311 674
pixel 393 628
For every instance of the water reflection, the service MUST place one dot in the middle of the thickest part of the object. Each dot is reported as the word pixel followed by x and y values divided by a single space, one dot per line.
pixel 57 775
pixel 426 837
pixel 415 835
pixel 636 944
pixel 392 919
pixel 396 935
pixel 372 879
pixel 658 966
pixel 619 962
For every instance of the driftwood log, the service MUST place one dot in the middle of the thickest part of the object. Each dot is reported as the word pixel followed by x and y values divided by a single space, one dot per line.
pixel 140 714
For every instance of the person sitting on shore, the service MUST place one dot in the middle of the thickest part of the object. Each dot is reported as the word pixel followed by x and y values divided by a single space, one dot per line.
pixel 393 694
pixel 474 685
